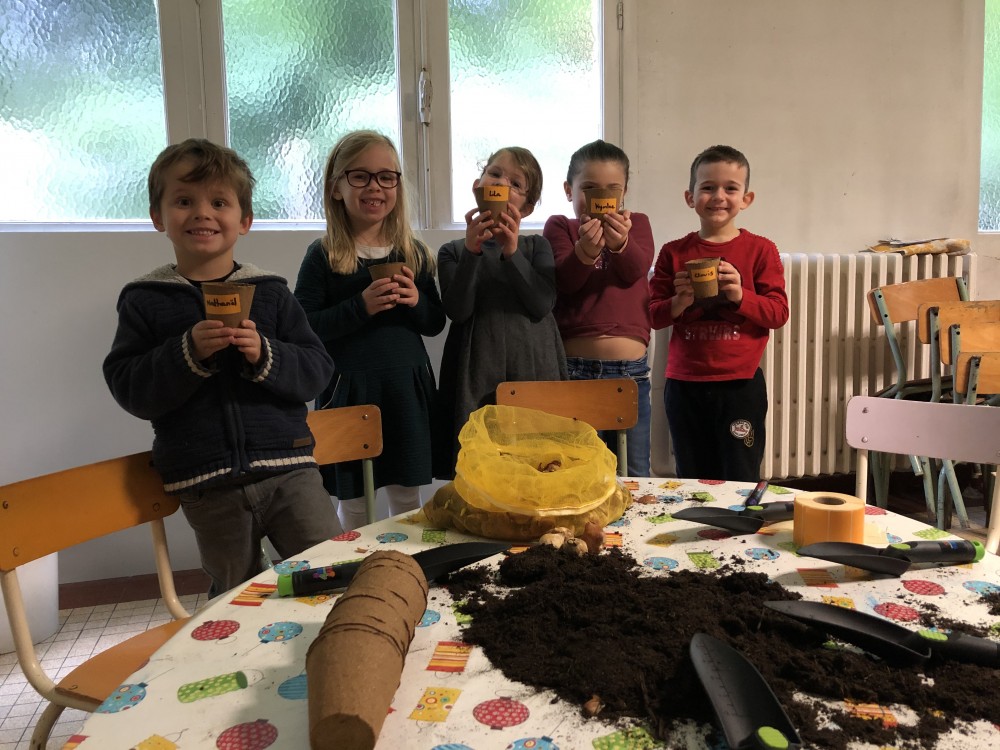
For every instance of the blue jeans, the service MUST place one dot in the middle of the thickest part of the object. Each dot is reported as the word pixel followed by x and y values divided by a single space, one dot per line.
pixel 638 436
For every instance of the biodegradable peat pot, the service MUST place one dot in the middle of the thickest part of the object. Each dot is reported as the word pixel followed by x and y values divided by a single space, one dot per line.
pixel 385 270
pixel 492 198
pixel 227 302
pixel 704 277
pixel 601 201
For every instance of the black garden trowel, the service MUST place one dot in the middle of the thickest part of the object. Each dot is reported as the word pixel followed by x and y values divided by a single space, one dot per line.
pixel 895 559
pixel 434 562
pixel 745 521
pixel 744 704
pixel 894 643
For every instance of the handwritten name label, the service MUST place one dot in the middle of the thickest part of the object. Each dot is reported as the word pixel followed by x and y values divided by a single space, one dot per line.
pixel 496 193
pixel 704 274
pixel 603 205
pixel 224 302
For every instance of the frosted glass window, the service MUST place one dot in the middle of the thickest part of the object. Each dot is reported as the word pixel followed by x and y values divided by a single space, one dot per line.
pixel 300 74
pixel 523 73
pixel 81 109
pixel 989 173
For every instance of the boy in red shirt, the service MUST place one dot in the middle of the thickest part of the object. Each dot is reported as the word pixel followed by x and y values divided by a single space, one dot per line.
pixel 715 395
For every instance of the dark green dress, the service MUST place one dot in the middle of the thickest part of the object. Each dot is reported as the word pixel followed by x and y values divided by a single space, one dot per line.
pixel 378 360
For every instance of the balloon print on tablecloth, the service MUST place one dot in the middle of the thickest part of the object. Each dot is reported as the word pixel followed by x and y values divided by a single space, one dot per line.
pixel 711 481
pixel 215 630
pixel 533 743
pixel 294 688
pixel 924 588
pixel 660 563
pixel 391 537
pixel 897 612
pixel 451 746
pixel 290 566
pixel 762 553
pixel 874 510
pixel 123 698
pixel 621 522
pixel 981 587
pixel 500 713
pixel 279 631
pixel 670 498
pixel 251 735
pixel 347 536
pixel 429 618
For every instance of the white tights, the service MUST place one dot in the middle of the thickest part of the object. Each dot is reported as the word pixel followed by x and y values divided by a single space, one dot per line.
pixel 401 499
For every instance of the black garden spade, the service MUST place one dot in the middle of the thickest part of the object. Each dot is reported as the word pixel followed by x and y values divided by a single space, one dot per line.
pixel 744 704
pixel 894 643
pixel 434 562
pixel 895 559
pixel 745 521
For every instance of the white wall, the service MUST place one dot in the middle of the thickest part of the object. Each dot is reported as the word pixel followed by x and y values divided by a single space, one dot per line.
pixel 861 121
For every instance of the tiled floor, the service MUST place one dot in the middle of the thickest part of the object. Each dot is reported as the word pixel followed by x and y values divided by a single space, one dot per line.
pixel 83 631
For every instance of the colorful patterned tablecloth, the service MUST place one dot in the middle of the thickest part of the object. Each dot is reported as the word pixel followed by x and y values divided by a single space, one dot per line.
pixel 234 677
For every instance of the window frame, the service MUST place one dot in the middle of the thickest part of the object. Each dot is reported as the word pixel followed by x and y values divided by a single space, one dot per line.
pixel 192 57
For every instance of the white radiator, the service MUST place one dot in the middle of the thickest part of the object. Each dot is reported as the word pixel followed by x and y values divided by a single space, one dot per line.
pixel 829 350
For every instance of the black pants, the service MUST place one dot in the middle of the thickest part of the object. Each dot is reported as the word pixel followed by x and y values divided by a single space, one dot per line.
pixel 717 428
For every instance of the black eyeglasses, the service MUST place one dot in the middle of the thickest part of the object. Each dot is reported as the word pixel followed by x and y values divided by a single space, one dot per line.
pixel 360 178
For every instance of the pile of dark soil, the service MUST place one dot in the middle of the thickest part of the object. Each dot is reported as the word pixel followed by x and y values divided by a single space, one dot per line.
pixel 585 626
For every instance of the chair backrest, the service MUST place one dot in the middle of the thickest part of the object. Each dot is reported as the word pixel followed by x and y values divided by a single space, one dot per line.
pixel 50 513
pixel 603 404
pixel 959 432
pixel 347 433
pixel 946 315
pixel 901 302
pixel 978 372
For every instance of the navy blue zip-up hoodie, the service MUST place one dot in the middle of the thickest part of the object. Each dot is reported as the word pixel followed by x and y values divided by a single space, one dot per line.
pixel 220 418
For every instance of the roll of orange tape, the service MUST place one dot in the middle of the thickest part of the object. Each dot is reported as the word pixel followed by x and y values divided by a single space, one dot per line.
pixel 828 517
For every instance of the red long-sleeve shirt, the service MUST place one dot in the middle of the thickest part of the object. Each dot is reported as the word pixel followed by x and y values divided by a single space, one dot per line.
pixel 610 298
pixel 724 342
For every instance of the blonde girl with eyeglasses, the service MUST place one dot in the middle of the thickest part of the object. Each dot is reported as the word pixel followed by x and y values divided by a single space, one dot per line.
pixel 498 287
pixel 373 329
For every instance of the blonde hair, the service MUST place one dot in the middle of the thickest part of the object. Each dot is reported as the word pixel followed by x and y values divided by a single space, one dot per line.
pixel 338 240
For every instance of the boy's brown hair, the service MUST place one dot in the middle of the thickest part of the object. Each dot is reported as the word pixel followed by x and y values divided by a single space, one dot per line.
pixel 210 163
pixel 529 165
pixel 715 154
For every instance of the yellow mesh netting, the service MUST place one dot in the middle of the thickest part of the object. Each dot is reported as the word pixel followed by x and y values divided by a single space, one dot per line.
pixel 520 472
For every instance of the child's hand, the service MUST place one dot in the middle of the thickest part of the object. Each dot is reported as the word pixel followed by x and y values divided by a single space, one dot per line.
pixel 505 231
pixel 591 241
pixel 683 294
pixel 209 337
pixel 409 295
pixel 380 296
pixel 730 282
pixel 477 230
pixel 615 229
pixel 247 340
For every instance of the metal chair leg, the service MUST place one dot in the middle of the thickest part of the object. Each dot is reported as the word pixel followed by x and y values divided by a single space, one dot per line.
pixel 40 737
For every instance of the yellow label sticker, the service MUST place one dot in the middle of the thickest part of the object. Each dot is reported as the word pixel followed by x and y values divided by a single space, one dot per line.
pixel 496 193
pixel 223 303
pixel 704 274
pixel 603 206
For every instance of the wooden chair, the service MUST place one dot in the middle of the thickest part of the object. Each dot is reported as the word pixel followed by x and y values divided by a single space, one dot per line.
pixel 611 404
pixel 892 306
pixel 956 432
pixel 349 433
pixel 53 512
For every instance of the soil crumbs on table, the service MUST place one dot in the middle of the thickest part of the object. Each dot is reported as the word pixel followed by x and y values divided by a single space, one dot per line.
pixel 592 625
